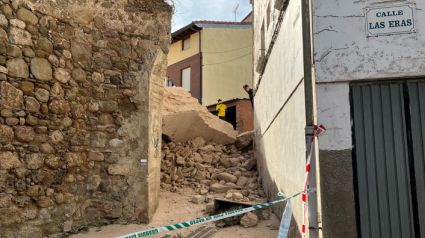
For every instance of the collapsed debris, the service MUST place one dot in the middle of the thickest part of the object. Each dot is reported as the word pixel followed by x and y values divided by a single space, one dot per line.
pixel 210 168
pixel 185 119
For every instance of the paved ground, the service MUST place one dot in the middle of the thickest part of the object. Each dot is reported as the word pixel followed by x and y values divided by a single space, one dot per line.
pixel 175 208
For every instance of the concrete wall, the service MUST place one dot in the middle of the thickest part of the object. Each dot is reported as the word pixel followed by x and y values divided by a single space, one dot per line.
pixel 177 54
pixel 227 63
pixel 279 108
pixel 343 54
pixel 80 100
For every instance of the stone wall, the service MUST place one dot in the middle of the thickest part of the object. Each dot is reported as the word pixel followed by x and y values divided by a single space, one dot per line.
pixel 81 85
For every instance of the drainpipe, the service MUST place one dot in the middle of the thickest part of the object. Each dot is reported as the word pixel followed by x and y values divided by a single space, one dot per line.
pixel 310 114
pixel 200 67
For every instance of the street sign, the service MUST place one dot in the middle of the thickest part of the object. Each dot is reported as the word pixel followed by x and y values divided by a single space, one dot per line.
pixel 390 20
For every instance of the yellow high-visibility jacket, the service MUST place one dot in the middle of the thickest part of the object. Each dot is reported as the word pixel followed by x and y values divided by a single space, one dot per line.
pixel 221 108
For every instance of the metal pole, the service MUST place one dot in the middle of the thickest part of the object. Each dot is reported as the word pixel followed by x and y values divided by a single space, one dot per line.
pixel 310 113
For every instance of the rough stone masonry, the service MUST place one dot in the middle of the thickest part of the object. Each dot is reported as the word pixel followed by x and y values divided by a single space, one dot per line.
pixel 81 85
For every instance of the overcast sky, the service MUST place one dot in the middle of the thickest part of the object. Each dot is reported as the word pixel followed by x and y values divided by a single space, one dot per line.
pixel 211 10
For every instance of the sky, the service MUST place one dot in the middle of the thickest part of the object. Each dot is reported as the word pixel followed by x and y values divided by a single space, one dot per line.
pixel 211 10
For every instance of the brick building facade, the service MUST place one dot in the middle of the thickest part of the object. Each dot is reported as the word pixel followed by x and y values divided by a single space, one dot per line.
pixel 174 73
pixel 239 114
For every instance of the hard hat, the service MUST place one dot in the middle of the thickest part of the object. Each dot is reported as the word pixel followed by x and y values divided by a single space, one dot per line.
pixel 219 99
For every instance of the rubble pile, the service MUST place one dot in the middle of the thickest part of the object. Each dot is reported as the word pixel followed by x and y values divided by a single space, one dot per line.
pixel 185 119
pixel 210 168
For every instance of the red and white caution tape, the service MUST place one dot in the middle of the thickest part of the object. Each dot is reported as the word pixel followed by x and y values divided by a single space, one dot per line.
pixel 318 131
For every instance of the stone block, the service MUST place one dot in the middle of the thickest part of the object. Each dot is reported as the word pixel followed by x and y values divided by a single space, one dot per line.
pixel 96 156
pixel 249 220
pixel 19 36
pixel 118 169
pixel 45 202
pixel 41 69
pixel 79 75
pixel 27 16
pixel 227 177
pixel 99 139
pixel 42 95
pixel 209 208
pixel 24 133
pixel 209 198
pixel 45 45
pixel 6 134
pixel 3 21
pixel 62 75
pixel 108 106
pixel 59 107
pixel 34 161
pixel 219 188
pixel 11 97
pixel 198 199
pixel 237 196
pixel 242 181
pixel 32 105
pixel 14 51
pixel 80 14
pixel 81 52
pixel 17 23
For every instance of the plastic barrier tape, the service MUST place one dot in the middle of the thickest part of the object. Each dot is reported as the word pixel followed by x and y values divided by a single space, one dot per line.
pixel 318 131
pixel 286 221
pixel 205 220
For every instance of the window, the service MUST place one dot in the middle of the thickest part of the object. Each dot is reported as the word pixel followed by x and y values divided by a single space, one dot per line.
pixel 186 44
pixel 168 82
pixel 186 78
pixel 268 15
pixel 263 40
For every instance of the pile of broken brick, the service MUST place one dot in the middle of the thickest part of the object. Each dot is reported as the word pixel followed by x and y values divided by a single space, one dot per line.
pixel 211 168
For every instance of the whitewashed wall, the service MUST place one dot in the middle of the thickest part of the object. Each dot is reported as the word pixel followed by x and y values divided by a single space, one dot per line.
pixel 280 109
pixel 342 52
pixel 333 108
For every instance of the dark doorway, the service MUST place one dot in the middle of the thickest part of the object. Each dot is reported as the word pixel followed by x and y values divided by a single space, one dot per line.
pixel 231 116
pixel 389 158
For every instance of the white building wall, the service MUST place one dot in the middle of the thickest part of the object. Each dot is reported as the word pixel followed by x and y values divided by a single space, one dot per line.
pixel 343 54
pixel 333 108
pixel 279 107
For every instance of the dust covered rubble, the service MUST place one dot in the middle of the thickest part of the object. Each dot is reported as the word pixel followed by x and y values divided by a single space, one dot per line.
pixel 211 170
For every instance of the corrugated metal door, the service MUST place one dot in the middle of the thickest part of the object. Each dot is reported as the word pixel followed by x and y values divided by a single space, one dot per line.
pixel 384 197
pixel 417 113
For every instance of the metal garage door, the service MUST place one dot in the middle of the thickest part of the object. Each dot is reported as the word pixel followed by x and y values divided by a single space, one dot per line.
pixel 387 138
pixel 417 111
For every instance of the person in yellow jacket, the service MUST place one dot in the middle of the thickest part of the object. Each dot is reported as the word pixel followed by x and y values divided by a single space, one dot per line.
pixel 221 109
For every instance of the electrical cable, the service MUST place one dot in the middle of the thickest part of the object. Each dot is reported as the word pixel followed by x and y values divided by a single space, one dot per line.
pixel 227 51
pixel 229 60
